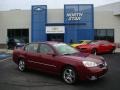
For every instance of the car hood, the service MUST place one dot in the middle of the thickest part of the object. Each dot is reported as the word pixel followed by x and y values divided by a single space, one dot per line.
pixel 78 44
pixel 85 46
pixel 85 57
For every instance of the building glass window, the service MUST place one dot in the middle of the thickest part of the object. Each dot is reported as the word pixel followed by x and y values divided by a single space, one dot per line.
pixel 104 34
pixel 20 34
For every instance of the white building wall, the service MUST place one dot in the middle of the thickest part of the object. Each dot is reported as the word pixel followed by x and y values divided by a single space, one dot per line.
pixel 117 34
pixel 14 19
pixel 55 16
pixel 104 18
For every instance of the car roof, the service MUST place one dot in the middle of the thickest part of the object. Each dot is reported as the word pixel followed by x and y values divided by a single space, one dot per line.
pixel 49 42
pixel 102 41
pixel 85 40
pixel 52 42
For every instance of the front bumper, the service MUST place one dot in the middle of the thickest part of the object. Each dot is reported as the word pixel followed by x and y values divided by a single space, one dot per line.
pixel 92 73
pixel 85 50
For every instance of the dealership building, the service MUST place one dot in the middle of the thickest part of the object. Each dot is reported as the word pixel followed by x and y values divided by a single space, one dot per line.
pixel 74 22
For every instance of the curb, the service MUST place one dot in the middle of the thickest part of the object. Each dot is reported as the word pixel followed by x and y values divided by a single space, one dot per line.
pixel 117 50
pixel 6 51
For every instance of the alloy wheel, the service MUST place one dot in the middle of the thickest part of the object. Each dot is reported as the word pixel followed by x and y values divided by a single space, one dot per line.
pixel 69 75
pixel 21 65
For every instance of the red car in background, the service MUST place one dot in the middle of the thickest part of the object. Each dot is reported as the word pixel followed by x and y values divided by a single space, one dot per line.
pixel 60 59
pixel 97 47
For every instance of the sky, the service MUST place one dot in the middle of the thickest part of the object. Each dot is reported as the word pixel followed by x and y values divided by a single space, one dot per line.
pixel 51 4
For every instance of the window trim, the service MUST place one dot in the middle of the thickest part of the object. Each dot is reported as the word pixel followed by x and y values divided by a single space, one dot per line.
pixel 31 51
pixel 53 51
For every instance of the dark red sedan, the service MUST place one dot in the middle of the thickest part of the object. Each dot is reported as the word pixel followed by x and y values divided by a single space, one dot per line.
pixel 60 59
pixel 97 47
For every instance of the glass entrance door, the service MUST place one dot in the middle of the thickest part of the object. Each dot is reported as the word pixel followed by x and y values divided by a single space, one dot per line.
pixel 19 34
pixel 55 37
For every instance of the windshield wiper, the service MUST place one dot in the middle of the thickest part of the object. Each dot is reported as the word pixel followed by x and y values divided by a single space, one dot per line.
pixel 67 53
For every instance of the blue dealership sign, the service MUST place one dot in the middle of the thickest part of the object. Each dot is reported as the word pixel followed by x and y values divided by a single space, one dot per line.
pixel 39 19
pixel 79 22
pixel 79 14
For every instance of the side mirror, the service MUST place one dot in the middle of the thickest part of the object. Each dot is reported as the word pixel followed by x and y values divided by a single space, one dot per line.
pixel 52 54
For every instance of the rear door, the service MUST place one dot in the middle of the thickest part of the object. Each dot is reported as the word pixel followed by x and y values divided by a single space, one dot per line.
pixel 31 55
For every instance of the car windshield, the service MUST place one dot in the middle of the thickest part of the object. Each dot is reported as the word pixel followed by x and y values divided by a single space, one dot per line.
pixel 65 49
pixel 85 41
pixel 93 42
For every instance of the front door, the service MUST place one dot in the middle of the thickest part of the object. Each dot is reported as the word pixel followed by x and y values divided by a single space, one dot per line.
pixel 48 62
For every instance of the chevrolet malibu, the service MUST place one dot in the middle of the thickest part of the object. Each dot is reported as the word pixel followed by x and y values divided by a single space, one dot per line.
pixel 60 59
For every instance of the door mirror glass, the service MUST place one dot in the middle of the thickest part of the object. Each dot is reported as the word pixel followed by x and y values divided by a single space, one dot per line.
pixel 52 54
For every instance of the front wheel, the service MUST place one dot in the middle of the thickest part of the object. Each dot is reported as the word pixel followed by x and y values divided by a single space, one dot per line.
pixel 94 51
pixel 112 51
pixel 21 65
pixel 69 75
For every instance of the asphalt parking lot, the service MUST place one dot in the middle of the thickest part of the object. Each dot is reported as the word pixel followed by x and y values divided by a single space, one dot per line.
pixel 12 79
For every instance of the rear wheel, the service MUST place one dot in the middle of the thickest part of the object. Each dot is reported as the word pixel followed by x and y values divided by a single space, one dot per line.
pixel 69 75
pixel 112 51
pixel 21 65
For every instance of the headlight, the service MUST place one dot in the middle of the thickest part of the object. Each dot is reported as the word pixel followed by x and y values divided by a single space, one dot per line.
pixel 89 64
pixel 18 43
pixel 105 64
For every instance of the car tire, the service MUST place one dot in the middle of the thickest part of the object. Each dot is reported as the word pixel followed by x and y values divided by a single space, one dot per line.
pixel 21 65
pixel 112 51
pixel 94 51
pixel 69 75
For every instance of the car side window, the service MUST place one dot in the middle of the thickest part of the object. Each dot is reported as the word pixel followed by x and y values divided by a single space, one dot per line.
pixel 105 42
pixel 44 48
pixel 33 47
